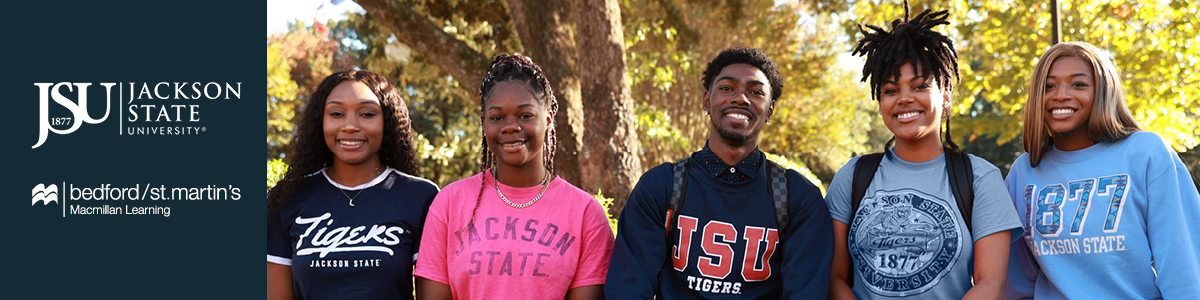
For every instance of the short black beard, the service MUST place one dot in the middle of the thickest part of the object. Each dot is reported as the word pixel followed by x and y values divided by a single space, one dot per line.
pixel 729 134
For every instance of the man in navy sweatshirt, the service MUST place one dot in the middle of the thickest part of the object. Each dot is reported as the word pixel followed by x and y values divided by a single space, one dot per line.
pixel 724 239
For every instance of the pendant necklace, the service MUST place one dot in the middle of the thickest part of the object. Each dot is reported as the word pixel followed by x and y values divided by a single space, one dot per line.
pixel 355 194
pixel 544 185
pixel 351 198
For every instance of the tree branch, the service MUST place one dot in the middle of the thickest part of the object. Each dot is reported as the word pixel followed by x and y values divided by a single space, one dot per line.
pixel 677 20
pixel 464 63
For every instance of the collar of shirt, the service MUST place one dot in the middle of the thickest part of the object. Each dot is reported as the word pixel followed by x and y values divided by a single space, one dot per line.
pixel 743 171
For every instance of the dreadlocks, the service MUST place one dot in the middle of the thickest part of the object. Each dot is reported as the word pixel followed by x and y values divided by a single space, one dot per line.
pixel 520 69
pixel 910 40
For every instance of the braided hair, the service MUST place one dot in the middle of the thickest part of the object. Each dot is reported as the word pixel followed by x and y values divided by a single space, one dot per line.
pixel 308 153
pixel 520 69
pixel 910 40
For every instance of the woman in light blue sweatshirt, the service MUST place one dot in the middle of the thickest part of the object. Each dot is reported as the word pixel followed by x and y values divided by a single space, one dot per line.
pixel 1109 210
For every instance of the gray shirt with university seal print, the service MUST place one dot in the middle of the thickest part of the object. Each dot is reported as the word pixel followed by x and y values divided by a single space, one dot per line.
pixel 908 238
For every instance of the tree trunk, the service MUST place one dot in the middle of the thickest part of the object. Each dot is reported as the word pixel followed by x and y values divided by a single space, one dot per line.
pixel 443 50
pixel 544 29
pixel 610 156
pixel 589 76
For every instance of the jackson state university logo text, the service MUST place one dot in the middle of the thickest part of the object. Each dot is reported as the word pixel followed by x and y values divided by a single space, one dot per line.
pixel 149 116
pixel 905 241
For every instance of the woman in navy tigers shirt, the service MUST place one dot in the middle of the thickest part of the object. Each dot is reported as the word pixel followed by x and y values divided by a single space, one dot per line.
pixel 345 222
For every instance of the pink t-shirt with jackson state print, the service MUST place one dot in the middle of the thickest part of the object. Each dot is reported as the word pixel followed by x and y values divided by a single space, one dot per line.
pixel 561 242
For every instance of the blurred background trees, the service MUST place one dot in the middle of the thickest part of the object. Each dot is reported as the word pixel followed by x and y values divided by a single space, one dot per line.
pixel 623 111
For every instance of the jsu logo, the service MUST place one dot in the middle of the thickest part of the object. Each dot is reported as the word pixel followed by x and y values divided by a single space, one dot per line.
pixel 79 112
pixel 719 258
pixel 45 194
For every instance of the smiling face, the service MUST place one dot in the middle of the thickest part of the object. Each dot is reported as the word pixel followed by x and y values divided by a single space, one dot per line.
pixel 515 125
pixel 912 107
pixel 739 103
pixel 1070 89
pixel 353 124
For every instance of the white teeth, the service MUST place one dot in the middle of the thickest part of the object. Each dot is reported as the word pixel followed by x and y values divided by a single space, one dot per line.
pixel 908 115
pixel 739 116
pixel 350 143
pixel 512 144
pixel 1062 111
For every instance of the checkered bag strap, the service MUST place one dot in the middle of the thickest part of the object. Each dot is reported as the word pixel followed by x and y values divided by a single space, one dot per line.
pixel 679 178
pixel 779 195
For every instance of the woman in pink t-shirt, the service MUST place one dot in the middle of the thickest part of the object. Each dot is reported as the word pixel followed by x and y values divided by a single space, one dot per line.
pixel 514 231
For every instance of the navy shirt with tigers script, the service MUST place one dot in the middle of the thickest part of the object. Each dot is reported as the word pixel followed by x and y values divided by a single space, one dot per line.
pixel 726 243
pixel 365 251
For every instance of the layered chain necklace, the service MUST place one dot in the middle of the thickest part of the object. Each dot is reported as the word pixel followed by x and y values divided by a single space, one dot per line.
pixel 544 184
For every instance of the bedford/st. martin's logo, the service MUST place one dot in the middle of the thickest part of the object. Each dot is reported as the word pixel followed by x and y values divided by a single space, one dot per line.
pixel 45 194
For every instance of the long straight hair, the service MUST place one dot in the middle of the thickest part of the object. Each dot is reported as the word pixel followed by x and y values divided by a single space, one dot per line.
pixel 1110 119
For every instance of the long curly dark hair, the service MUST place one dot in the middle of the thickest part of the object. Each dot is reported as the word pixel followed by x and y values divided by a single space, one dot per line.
pixel 518 68
pixel 308 153
pixel 910 40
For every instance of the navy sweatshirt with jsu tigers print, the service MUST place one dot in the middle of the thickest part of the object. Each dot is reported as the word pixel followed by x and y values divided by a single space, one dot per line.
pixel 724 233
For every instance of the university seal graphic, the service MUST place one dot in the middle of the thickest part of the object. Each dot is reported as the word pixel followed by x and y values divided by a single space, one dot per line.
pixel 905 241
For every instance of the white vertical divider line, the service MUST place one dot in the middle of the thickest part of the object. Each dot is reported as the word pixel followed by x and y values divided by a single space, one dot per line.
pixel 121 114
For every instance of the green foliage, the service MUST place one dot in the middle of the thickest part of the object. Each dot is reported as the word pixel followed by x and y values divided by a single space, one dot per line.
pixel 819 120
pixel 825 115
pixel 607 203
pixel 297 61
pixel 1154 43
pixel 788 164
pixel 445 120
pixel 828 126
pixel 275 170
pixel 659 135
pixel 281 94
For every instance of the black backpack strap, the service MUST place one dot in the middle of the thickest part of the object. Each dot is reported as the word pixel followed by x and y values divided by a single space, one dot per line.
pixel 679 178
pixel 779 193
pixel 864 172
pixel 962 179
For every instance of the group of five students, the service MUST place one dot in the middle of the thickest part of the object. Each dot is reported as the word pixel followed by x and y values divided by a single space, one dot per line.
pixel 921 220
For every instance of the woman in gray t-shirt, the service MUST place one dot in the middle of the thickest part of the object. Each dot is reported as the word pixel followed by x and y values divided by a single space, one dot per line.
pixel 907 237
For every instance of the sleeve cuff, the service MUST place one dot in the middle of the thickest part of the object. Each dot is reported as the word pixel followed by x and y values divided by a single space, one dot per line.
pixel 1016 231
pixel 587 282
pixel 279 260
